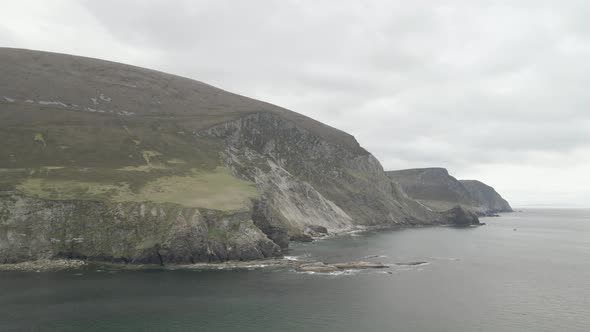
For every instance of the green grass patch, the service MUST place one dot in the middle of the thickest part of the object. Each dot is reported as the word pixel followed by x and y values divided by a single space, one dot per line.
pixel 143 168
pixel 216 190
pixel 70 190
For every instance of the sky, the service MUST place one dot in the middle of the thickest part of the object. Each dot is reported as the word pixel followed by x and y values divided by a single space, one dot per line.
pixel 491 90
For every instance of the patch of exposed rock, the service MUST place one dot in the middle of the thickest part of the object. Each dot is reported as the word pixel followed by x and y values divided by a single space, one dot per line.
pixel 317 229
pixel 301 237
pixel 320 267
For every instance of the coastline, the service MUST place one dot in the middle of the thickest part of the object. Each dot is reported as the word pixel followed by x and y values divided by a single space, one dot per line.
pixel 64 264
pixel 55 265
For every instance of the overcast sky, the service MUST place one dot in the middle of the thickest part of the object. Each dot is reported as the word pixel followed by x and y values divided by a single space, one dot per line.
pixel 492 90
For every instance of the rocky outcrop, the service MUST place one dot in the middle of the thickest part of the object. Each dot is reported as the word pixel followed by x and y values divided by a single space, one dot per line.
pixel 458 216
pixel 487 196
pixel 438 190
pixel 317 229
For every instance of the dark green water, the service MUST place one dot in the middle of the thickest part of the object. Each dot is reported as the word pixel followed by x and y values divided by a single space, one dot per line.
pixel 490 278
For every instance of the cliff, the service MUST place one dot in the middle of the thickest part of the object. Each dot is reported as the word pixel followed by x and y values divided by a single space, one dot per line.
pixel 487 196
pixel 435 188
pixel 112 162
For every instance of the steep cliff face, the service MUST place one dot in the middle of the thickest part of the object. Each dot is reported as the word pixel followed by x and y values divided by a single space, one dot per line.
pixel 310 180
pixel 106 161
pixel 435 188
pixel 33 229
pixel 487 196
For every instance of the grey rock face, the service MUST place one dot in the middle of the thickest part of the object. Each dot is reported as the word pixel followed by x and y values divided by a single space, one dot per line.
pixel 270 223
pixel 33 229
pixel 458 216
pixel 311 181
pixel 318 229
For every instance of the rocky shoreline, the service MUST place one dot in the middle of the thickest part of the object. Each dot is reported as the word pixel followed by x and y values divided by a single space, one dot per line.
pixel 51 265
pixel 47 265
pixel 44 265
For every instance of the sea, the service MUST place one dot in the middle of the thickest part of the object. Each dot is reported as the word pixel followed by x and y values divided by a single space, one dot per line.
pixel 523 271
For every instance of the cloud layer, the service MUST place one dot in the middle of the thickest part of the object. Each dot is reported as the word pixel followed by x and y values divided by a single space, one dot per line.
pixel 489 89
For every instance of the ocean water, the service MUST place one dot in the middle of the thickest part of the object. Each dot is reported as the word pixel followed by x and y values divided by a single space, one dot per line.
pixel 524 271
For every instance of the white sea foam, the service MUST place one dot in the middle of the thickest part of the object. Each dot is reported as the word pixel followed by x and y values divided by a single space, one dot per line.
pixel 334 273
pixel 104 98
pixel 46 102
pixel 256 266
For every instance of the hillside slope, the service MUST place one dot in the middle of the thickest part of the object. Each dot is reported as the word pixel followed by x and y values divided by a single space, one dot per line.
pixel 107 161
